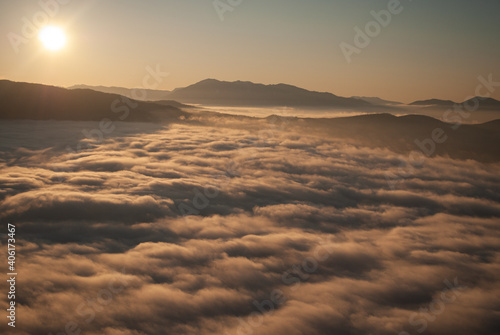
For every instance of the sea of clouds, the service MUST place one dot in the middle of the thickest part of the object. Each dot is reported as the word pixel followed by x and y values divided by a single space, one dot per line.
pixel 193 229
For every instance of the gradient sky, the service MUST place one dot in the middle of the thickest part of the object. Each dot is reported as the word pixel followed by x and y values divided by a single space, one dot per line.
pixel 432 49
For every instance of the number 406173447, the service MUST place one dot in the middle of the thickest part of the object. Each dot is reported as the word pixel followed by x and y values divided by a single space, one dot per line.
pixel 11 247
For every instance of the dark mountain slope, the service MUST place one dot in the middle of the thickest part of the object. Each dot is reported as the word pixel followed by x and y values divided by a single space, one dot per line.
pixel 42 102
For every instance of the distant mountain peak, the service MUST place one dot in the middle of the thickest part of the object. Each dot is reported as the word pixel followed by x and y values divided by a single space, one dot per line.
pixel 377 101
pixel 433 102
pixel 208 81
pixel 246 93
pixel 482 99
pixel 484 102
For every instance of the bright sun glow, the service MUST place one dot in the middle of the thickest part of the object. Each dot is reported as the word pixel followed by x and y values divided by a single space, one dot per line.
pixel 52 38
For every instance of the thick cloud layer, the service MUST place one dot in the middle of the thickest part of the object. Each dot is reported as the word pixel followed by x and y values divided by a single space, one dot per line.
pixel 188 229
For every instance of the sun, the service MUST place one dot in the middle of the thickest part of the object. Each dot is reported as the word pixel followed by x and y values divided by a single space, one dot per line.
pixel 52 38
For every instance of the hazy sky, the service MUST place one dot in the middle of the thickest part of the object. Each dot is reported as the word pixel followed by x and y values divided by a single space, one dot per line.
pixel 430 49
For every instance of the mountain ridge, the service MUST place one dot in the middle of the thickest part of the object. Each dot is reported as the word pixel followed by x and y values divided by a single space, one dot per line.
pixel 378 101
pixel 214 92
pixel 433 102
pixel 483 103
pixel 30 101
pixel 151 95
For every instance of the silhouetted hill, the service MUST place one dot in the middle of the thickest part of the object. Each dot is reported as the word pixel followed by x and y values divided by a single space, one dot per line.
pixel 150 95
pixel 378 101
pixel 433 102
pixel 399 134
pixel 42 102
pixel 386 131
pixel 479 103
pixel 484 103
pixel 491 125
pixel 173 103
pixel 243 93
